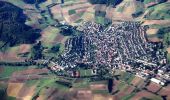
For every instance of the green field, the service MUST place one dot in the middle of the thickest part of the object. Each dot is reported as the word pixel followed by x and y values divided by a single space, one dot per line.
pixel 72 11
pixel 84 84
pixel 127 77
pixel 85 72
pixel 121 85
pixel 128 97
pixel 99 19
pixel 148 1
pixel 168 57
pixel 100 92
pixel 8 70
pixel 157 12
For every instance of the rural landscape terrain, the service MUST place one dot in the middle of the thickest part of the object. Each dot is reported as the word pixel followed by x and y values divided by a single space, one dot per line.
pixel 84 49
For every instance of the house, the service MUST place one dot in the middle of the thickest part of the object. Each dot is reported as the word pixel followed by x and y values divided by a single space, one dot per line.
pixel 157 81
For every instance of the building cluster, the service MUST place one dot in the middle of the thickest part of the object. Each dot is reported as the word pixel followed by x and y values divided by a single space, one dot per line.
pixel 119 46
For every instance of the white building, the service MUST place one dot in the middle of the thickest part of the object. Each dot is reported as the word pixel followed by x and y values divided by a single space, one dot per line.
pixel 157 81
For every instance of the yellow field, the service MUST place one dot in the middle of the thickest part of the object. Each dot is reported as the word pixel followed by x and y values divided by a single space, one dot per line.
pixel 14 89
pixel 102 97
pixel 151 31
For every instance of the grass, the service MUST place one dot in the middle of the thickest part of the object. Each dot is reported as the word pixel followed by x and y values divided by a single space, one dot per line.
pixel 120 9
pixel 86 72
pixel 31 82
pixel 168 57
pixel 79 20
pixel 127 77
pixel 148 1
pixel 42 83
pixel 84 84
pixel 8 70
pixel 122 85
pixel 71 12
pixel 161 11
pixel 11 98
pixel 59 86
pixel 100 92
pixel 128 97
pixel 99 19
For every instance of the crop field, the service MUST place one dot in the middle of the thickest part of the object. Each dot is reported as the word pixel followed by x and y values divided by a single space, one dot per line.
pixel 165 91
pixel 146 94
pixel 26 92
pixel 49 35
pixel 9 70
pixel 153 87
pixel 162 9
pixel 14 89
pixel 74 11
pixel 87 72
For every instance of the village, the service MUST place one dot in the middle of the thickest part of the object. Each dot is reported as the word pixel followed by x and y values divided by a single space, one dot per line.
pixel 119 47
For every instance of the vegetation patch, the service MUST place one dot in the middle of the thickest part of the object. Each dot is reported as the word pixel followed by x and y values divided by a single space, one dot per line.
pixel 8 70
pixel 128 97
pixel 70 12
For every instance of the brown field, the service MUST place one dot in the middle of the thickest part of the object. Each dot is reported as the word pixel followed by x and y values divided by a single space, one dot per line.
pixel 150 4
pixel 10 56
pixel 152 31
pixel 109 12
pixel 24 48
pixel 26 93
pixel 14 88
pixel 73 18
pixel 78 80
pixel 59 38
pixel 29 74
pixel 12 53
pixel 154 39
pixel 1 69
pixel 31 71
pixel 159 22
pixel 102 97
pixel 100 7
pixel 153 87
pixel 98 87
pixel 136 81
pixel 24 78
pixel 165 91
pixel 144 93
pixel 49 34
pixel 168 98
pixel 55 94
pixel 81 10
pixel 168 49
pixel 84 95
pixel 127 90
pixel 116 83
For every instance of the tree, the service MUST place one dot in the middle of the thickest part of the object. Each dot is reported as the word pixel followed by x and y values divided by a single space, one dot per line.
pixel 110 85
pixel 36 51
pixel 56 48
pixel 166 39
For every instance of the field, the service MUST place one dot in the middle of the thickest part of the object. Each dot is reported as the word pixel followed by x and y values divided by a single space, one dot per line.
pixel 153 87
pixel 9 70
pixel 14 89
pixel 87 72
pixel 146 94
pixel 24 83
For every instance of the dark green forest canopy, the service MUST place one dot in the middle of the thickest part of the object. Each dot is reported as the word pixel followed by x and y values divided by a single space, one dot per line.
pixel 13 30
pixel 107 2
pixel 34 1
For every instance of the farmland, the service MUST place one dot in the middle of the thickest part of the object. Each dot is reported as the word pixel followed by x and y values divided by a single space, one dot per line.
pixel 43 44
